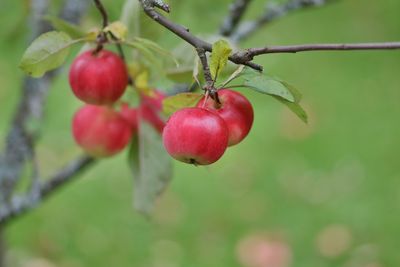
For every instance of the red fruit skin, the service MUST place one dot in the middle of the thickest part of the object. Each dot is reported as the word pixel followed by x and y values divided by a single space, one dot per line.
pixel 236 111
pixel 196 136
pixel 98 79
pixel 100 131
pixel 150 109
pixel 131 115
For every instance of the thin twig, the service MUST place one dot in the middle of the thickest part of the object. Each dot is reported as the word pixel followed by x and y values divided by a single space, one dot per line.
pixel 252 52
pixel 206 69
pixel 103 12
pixel 209 87
pixel 121 54
pixel 102 36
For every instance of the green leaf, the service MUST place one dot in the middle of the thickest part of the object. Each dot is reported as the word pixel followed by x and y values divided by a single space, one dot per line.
pixel 293 90
pixel 295 108
pixel 179 101
pixel 156 48
pixel 151 167
pixel 47 52
pixel 219 57
pixel 266 84
pixel 282 91
pixel 61 25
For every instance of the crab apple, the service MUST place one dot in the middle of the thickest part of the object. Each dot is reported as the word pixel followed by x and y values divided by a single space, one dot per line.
pixel 100 130
pixel 236 111
pixel 131 115
pixel 196 136
pixel 98 78
pixel 150 109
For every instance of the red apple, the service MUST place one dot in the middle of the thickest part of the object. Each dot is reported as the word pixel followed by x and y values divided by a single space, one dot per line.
pixel 100 130
pixel 236 111
pixel 196 136
pixel 150 109
pixel 131 115
pixel 98 79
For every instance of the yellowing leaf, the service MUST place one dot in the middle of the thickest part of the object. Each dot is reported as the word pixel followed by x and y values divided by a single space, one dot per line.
pixel 179 101
pixel 142 81
pixel 92 35
pixel 135 69
pixel 219 57
pixel 117 29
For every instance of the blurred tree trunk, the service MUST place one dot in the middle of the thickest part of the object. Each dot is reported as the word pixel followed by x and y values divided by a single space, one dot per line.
pixel 20 141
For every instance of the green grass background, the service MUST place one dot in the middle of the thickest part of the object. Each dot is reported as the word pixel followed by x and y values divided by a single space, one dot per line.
pixel 286 178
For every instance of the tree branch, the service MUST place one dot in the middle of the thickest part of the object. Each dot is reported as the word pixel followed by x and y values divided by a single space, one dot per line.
pixel 237 9
pixel 103 12
pixel 20 139
pixel 206 69
pixel 252 52
pixel 245 57
pixel 272 12
pixel 22 204
pixel 19 150
pixel 183 33
pixel 209 87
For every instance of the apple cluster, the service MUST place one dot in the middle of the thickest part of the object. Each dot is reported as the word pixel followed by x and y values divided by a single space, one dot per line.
pixel 102 127
pixel 200 135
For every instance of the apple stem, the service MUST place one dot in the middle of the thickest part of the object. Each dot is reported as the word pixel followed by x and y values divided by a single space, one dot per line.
pixel 102 11
pixel 102 37
pixel 215 97
pixel 101 40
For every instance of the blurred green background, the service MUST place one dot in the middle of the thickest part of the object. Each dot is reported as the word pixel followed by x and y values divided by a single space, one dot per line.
pixel 323 194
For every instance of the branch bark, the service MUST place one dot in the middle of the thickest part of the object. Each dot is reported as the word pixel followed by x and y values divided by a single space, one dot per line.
pixel 252 52
pixel 103 12
pixel 19 142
